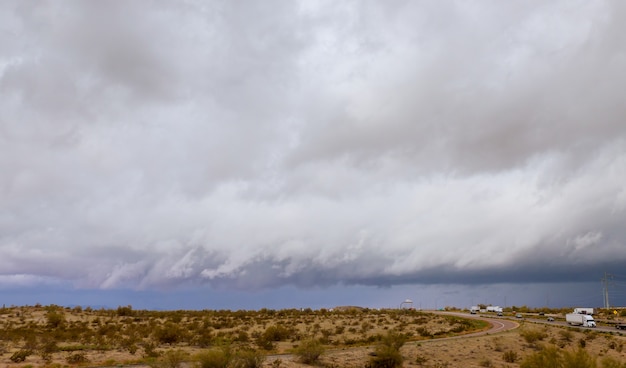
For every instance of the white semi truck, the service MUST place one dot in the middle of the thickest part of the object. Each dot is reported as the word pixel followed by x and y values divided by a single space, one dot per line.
pixel 577 319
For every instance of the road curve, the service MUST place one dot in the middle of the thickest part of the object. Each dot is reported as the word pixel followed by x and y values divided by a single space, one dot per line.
pixel 497 325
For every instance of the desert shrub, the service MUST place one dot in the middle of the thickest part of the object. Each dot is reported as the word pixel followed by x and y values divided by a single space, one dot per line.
pixel 126 311
pixel 309 351
pixel 566 335
pixel 47 348
pixel 149 350
pixel 423 332
pixel 578 359
pixel 486 363
pixel 387 353
pixel 386 357
pixel 264 343
pixel 168 334
pixel 509 356
pixel 420 360
pixel 531 336
pixel 20 355
pixel 55 319
pixel 213 358
pixel 393 339
pixel 582 343
pixel 76 358
pixel 247 358
pixel 548 357
pixel 610 362
pixel 173 358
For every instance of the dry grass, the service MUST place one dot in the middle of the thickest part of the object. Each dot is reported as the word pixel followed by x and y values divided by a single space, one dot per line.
pixel 124 336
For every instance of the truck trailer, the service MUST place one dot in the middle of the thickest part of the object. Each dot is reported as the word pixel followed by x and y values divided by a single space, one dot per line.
pixel 577 319
pixel 583 311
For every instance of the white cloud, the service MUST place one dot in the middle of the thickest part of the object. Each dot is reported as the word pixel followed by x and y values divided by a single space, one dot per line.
pixel 256 145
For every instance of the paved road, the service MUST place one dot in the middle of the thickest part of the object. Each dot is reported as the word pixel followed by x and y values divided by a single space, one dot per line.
pixel 497 324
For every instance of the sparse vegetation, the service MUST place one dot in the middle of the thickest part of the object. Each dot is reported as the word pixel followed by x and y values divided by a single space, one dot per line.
pixel 309 351
pixel 54 336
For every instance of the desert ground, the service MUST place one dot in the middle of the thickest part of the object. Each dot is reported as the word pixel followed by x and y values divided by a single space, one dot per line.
pixel 55 336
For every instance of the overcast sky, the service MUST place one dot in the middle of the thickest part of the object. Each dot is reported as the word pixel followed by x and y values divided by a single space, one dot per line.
pixel 279 152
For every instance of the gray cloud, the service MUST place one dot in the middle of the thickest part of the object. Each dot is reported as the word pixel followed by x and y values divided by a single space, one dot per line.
pixel 258 145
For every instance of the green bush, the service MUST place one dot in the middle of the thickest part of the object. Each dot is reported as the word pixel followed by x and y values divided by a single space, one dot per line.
pixel 386 357
pixel 387 354
pixel 309 351
pixel 247 358
pixel 20 356
pixel 548 357
pixel 532 335
pixel 214 358
pixel 609 362
pixel 510 356
pixel 169 334
pixel 551 357
pixel 173 358
pixel 578 359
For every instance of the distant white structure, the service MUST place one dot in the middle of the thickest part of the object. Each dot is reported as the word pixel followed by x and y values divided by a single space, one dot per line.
pixel 407 303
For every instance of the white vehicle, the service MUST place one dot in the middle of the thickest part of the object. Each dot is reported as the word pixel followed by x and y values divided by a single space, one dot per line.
pixel 576 319
pixel 588 311
pixel 496 309
pixel 474 309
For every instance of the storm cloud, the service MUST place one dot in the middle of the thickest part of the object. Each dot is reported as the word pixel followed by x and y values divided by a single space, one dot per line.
pixel 262 145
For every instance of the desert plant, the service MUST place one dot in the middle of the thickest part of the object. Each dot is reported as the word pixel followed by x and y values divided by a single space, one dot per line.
pixel 386 357
pixel 420 360
pixel 509 356
pixel 172 358
pixel 20 355
pixel 170 334
pixel 609 362
pixel 387 353
pixel 309 351
pixel 566 335
pixel 76 358
pixel 578 359
pixel 214 358
pixel 55 319
pixel 548 357
pixel 532 335
pixel 247 358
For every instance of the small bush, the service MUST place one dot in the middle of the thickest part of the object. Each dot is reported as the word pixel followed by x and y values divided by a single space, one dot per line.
pixel 387 354
pixel 248 358
pixel 76 358
pixel 173 358
pixel 510 356
pixel 578 359
pixel 386 357
pixel 213 358
pixel 531 335
pixel 420 360
pixel 609 362
pixel 548 357
pixel 20 356
pixel 309 351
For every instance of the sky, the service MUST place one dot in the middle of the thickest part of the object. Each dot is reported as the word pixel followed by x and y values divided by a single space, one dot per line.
pixel 279 154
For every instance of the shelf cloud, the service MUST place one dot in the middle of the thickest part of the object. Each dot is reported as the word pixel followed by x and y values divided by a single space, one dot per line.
pixel 261 145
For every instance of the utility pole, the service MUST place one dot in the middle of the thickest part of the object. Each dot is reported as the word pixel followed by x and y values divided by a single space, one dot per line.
pixel 605 289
